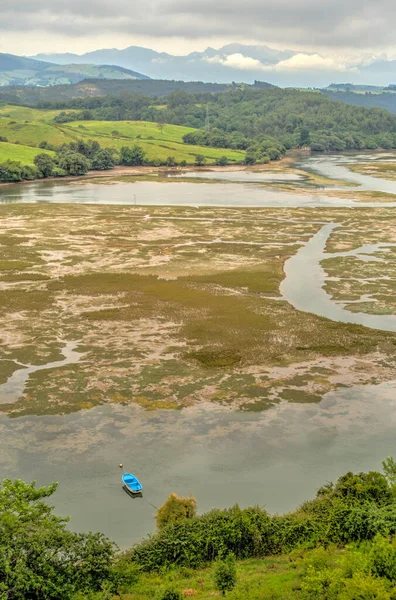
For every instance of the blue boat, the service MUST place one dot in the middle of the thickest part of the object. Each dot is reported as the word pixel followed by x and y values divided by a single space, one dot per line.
pixel 132 484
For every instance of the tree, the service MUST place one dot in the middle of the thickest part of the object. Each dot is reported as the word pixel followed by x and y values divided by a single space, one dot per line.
pixel 222 161
pixel 200 160
pixel 250 158
pixel 161 125
pixel 103 160
pixel 175 509
pixel 132 157
pixel 224 575
pixel 39 557
pixel 389 468
pixel 45 164
pixel 171 161
pixel 74 163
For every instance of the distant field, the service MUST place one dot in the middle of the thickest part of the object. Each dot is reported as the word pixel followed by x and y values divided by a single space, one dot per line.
pixel 23 154
pixel 24 113
pixel 30 126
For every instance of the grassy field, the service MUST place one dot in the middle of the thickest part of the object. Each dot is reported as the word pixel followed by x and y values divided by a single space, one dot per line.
pixel 30 126
pixel 23 154
pixel 171 307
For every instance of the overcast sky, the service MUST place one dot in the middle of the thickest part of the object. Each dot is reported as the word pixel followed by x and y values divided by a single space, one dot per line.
pixel 331 27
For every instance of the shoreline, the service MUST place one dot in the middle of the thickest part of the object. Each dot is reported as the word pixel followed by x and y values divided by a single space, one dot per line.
pixel 120 171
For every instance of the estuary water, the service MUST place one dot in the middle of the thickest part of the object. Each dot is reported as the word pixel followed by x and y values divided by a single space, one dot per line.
pixel 275 459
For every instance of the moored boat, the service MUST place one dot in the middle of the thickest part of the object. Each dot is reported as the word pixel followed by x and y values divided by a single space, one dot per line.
pixel 132 484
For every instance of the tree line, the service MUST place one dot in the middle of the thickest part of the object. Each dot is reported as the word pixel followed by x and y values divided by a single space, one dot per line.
pixel 293 118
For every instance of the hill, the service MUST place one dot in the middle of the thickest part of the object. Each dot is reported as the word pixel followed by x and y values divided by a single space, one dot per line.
pixel 368 99
pixel 90 87
pixel 18 152
pixel 16 70
pixel 27 127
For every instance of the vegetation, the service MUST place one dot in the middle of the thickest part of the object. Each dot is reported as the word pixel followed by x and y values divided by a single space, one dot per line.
pixel 340 545
pixel 175 509
pixel 293 118
pixel 39 557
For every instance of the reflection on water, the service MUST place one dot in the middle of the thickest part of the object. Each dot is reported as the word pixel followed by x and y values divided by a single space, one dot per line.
pixel 335 167
pixel 248 192
pixel 274 459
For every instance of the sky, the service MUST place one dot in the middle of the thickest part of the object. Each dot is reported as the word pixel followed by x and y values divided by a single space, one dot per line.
pixel 339 30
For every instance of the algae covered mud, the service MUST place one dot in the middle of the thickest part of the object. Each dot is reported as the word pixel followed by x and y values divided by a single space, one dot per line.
pixel 271 325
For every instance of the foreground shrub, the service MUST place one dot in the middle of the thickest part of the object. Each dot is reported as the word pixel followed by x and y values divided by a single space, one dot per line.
pixel 175 509
pixel 225 575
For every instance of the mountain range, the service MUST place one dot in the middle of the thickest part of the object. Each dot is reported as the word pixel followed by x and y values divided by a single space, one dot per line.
pixel 240 63
pixel 17 70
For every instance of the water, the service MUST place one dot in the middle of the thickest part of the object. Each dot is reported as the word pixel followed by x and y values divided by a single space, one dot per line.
pixel 15 385
pixel 305 278
pixel 335 167
pixel 276 459
pixel 232 188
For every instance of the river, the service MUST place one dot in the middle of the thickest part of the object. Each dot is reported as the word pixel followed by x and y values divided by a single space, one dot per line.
pixel 276 459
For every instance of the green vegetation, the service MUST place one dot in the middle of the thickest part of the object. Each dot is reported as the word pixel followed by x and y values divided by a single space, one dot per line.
pixel 339 546
pixel 19 153
pixel 293 118
pixel 175 509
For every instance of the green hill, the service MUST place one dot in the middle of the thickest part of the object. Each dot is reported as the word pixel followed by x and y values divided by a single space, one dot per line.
pixel 22 154
pixel 30 127
pixel 18 70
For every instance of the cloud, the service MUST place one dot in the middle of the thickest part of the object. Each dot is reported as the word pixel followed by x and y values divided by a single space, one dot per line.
pixel 297 23
pixel 237 61
pixel 298 62
pixel 308 62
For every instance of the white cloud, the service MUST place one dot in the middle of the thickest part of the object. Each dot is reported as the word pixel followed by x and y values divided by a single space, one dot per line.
pixel 237 61
pixel 308 62
pixel 298 62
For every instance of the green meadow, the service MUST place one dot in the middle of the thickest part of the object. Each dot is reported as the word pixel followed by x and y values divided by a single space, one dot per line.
pixel 17 152
pixel 29 127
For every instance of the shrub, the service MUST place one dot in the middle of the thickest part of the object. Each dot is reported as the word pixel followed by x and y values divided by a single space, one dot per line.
pixel 224 574
pixel 74 164
pixel 45 164
pixel 200 160
pixel 132 157
pixel 175 509
pixel 222 161
pixel 170 594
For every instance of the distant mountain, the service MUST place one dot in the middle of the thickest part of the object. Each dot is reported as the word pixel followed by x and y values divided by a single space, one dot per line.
pixel 17 71
pixel 240 63
pixel 220 66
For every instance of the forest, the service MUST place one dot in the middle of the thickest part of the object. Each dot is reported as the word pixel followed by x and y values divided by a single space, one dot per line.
pixel 294 118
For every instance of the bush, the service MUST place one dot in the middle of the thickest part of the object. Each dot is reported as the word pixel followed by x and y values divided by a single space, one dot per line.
pixel 200 160
pixel 74 164
pixel 103 160
pixel 171 161
pixel 175 509
pixel 29 172
pixel 224 574
pixel 222 161
pixel 132 157
pixel 3 138
pixel 45 164
pixel 170 594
